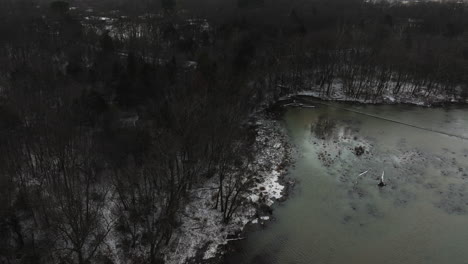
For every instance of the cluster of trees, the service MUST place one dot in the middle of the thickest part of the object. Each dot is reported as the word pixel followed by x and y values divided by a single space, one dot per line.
pixel 104 134
pixel 74 170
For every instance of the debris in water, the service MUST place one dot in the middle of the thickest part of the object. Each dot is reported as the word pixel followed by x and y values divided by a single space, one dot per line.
pixel 359 150
pixel 382 183
pixel 363 173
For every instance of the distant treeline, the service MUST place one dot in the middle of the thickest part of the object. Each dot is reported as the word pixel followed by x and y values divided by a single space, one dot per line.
pixel 105 128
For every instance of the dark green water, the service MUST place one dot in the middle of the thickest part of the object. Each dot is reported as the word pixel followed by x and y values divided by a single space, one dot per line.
pixel 336 216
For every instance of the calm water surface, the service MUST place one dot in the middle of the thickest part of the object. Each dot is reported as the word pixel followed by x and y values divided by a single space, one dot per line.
pixel 336 216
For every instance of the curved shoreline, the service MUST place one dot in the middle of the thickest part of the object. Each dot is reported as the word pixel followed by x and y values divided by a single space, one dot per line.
pixel 268 127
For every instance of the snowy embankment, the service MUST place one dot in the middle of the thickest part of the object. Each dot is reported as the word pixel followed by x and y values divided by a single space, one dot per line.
pixel 407 95
pixel 202 231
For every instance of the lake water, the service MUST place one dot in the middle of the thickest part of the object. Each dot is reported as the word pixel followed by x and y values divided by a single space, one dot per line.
pixel 336 216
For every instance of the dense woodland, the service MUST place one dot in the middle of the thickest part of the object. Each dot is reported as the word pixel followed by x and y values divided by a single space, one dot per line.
pixel 107 126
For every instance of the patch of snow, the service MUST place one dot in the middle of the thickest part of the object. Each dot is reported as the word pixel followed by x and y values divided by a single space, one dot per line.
pixel 389 98
pixel 191 64
pixel 254 198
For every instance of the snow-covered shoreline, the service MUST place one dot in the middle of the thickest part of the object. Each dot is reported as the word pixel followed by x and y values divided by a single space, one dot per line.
pixel 406 96
pixel 202 235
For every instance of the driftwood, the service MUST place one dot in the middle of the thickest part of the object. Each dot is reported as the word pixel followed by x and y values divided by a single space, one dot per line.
pixel 361 174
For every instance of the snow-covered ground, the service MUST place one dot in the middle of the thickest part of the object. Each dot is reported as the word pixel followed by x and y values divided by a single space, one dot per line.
pixel 202 228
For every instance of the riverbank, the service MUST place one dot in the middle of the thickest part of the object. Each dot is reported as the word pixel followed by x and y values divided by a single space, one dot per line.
pixel 202 237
